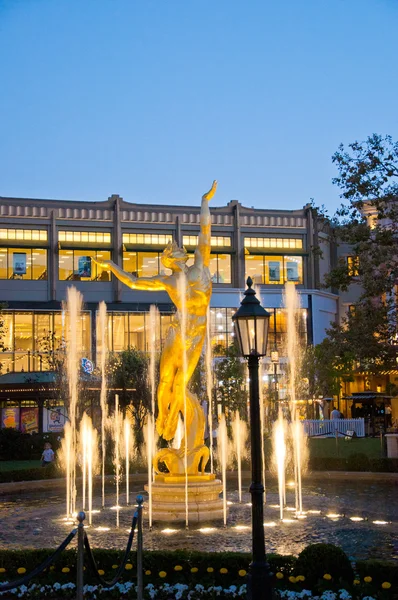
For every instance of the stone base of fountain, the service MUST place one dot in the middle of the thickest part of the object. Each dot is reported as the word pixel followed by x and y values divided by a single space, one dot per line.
pixel 169 498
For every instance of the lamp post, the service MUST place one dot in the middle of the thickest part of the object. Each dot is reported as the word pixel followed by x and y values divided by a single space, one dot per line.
pixel 275 361
pixel 251 326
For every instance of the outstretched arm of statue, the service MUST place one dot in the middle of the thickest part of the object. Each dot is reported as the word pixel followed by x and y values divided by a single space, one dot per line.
pixel 202 252
pixel 135 283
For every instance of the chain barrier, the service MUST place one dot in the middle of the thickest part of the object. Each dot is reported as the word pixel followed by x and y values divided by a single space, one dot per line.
pixel 84 544
pixel 4 587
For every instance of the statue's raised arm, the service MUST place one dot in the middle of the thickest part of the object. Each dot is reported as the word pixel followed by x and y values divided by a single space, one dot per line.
pixel 202 252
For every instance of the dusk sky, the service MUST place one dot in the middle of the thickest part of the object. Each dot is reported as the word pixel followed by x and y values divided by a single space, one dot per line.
pixel 153 99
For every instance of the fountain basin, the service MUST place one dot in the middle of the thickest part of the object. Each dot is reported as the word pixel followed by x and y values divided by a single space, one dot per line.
pixel 169 499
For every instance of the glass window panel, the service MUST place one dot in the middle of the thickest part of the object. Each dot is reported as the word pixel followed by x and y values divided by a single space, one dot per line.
pixel 101 274
pixel 140 238
pixel 92 236
pixel 130 262
pixel 137 331
pixel 294 269
pixel 69 236
pixel 254 268
pixel 3 263
pixel 8 332
pixel 86 334
pixel 165 323
pixel 120 331
pixel 213 268
pixel 84 269
pixel 61 236
pixel 224 268
pixel 19 234
pixel 43 235
pixel 39 264
pixel 65 262
pixel 19 263
pixel 23 337
pixel 84 236
pixel 148 264
pixel 273 269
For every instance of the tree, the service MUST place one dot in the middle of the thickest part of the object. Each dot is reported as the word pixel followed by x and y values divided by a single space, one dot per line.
pixel 230 382
pixel 368 222
pixel 128 373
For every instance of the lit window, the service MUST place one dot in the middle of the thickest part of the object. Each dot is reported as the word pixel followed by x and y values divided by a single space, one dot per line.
pixel 24 234
pixel 147 239
pixel 79 237
pixel 216 241
pixel 353 266
pixel 23 263
pixel 274 269
pixel 76 265
pixel 265 242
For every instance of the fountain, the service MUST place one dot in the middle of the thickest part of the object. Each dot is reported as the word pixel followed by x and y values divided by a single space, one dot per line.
pixel 185 492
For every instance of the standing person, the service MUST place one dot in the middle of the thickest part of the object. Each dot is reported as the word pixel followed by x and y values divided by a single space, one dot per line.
pixel 48 455
pixel 335 414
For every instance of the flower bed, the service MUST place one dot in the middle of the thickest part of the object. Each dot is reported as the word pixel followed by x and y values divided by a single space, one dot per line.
pixel 192 575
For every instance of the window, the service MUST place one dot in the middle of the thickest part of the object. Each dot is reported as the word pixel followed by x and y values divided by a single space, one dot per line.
pixel 144 264
pixel 353 266
pixel 23 263
pixel 221 329
pixel 79 237
pixel 147 239
pixel 219 266
pixel 132 330
pixel 286 243
pixel 219 240
pixel 36 235
pixel 30 339
pixel 274 269
pixel 278 329
pixel 76 265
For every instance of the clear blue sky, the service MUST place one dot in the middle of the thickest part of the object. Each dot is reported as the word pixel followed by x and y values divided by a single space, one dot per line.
pixel 152 99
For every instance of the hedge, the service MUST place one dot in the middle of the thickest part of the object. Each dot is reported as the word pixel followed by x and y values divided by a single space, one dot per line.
pixel 201 567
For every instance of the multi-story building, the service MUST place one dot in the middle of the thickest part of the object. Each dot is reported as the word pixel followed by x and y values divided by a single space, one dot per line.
pixel 46 246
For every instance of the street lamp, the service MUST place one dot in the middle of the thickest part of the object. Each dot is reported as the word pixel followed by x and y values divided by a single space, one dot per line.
pixel 275 361
pixel 251 326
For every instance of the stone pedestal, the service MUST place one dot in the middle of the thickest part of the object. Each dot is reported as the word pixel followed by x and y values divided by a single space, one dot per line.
pixel 169 495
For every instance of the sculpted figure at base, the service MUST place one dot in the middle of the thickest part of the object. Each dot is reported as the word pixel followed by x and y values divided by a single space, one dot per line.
pixel 190 289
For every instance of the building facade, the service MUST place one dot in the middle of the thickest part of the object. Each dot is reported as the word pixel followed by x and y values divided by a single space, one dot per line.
pixel 46 246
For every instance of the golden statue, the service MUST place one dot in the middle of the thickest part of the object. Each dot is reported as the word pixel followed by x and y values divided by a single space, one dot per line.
pixel 190 290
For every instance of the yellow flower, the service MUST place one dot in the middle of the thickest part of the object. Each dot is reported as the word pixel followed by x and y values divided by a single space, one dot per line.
pixel 128 567
pixel 65 570
pixel 356 582
pixel 21 570
pixel 162 574
pixel 279 575
pixel 242 573
pixel 148 572
pixel 386 585
pixel 223 570
pixel 194 570
pixel 2 570
pixel 300 578
pixel 101 572
pixel 367 579
pixel 327 576
pixel 115 566
pixel 178 568
pixel 52 568
pixel 292 579
pixel 210 570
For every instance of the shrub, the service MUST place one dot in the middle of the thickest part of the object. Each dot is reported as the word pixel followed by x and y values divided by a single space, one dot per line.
pixel 15 445
pixel 380 571
pixel 35 474
pixel 319 559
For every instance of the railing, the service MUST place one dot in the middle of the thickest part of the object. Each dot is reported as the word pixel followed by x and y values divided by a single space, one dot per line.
pixel 333 427
pixel 84 544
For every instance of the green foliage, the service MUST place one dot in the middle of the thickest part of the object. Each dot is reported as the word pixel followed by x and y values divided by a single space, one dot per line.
pixel 379 570
pixel 35 474
pixel 319 559
pixel 354 463
pixel 325 368
pixel 128 372
pixel 230 382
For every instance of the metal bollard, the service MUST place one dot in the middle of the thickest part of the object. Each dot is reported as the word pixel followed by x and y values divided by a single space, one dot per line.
pixel 80 556
pixel 140 578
